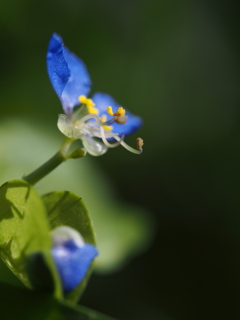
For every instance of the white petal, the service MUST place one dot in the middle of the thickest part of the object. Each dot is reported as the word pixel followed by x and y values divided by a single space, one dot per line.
pixel 66 126
pixel 95 148
pixel 62 234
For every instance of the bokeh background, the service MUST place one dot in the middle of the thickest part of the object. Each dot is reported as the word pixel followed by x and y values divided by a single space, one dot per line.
pixel 176 64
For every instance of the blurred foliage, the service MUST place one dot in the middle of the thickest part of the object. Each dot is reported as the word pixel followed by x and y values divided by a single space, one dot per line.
pixel 175 63
pixel 38 306
pixel 122 230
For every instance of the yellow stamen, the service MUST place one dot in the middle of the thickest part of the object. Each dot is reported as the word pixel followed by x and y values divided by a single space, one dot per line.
pixel 107 128
pixel 89 104
pixel 92 110
pixel 120 113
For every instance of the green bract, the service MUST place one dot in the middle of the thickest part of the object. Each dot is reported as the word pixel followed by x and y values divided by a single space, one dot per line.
pixel 25 224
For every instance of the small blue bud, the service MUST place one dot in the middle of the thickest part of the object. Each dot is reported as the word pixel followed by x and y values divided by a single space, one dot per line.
pixel 72 256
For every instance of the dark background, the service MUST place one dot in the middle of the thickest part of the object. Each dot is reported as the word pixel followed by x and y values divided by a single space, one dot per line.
pixel 175 63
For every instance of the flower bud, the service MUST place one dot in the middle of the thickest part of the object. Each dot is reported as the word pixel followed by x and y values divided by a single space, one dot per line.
pixel 72 256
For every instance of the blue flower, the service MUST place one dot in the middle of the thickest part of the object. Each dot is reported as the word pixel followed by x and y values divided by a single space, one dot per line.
pixel 72 256
pixel 98 118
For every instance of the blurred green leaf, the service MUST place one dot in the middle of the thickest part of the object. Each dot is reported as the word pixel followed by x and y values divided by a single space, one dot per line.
pixel 66 208
pixel 32 305
pixel 24 231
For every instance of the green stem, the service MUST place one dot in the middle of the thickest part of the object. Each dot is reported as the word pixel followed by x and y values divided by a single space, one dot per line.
pixel 50 165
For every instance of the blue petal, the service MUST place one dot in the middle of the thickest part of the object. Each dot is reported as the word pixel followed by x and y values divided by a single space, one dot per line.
pixel 102 101
pixel 73 262
pixel 68 74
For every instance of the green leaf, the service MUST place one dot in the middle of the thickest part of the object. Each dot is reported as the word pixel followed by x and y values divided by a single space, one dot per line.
pixel 66 208
pixel 24 233
pixel 29 305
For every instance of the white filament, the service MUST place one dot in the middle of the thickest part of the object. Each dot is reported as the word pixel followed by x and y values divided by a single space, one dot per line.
pixel 109 145
pixel 126 146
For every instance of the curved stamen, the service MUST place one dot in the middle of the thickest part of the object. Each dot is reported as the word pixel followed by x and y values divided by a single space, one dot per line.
pixel 109 145
pixel 103 134
pixel 126 146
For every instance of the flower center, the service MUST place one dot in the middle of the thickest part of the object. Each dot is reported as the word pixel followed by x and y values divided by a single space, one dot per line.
pixel 119 116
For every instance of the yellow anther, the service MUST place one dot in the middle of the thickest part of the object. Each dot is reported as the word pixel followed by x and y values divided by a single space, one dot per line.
pixel 86 101
pixel 92 110
pixel 82 99
pixel 107 128
pixel 109 111
pixel 89 104
pixel 120 113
